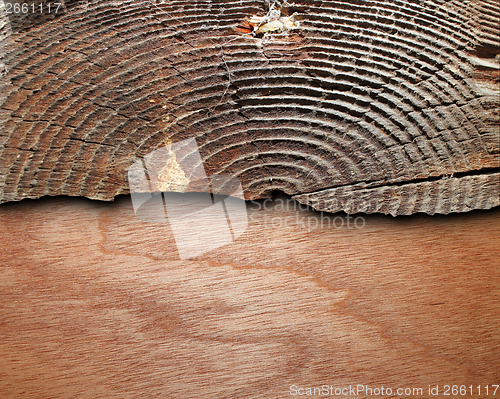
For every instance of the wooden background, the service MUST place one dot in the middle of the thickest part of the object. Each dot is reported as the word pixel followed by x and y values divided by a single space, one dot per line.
pixel 387 100
pixel 97 304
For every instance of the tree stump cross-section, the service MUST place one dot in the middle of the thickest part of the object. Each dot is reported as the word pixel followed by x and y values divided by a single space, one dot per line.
pixel 373 106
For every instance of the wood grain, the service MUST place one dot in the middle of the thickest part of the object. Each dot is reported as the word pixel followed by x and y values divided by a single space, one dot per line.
pixel 379 92
pixel 97 304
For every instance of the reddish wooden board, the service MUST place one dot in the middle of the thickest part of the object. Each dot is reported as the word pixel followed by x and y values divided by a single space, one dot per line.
pixel 95 303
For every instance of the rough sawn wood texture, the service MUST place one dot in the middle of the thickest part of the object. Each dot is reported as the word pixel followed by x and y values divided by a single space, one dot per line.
pixel 375 106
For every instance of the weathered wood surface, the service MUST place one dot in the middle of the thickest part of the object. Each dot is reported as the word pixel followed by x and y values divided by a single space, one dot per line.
pixel 96 304
pixel 379 93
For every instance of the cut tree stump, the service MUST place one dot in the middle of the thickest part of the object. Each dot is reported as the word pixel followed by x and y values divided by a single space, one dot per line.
pixel 371 106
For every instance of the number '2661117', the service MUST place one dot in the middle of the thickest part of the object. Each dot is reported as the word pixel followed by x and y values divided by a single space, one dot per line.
pixel 463 390
pixel 26 8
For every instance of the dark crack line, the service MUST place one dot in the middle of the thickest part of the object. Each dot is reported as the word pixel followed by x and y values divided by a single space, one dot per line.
pixel 382 184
